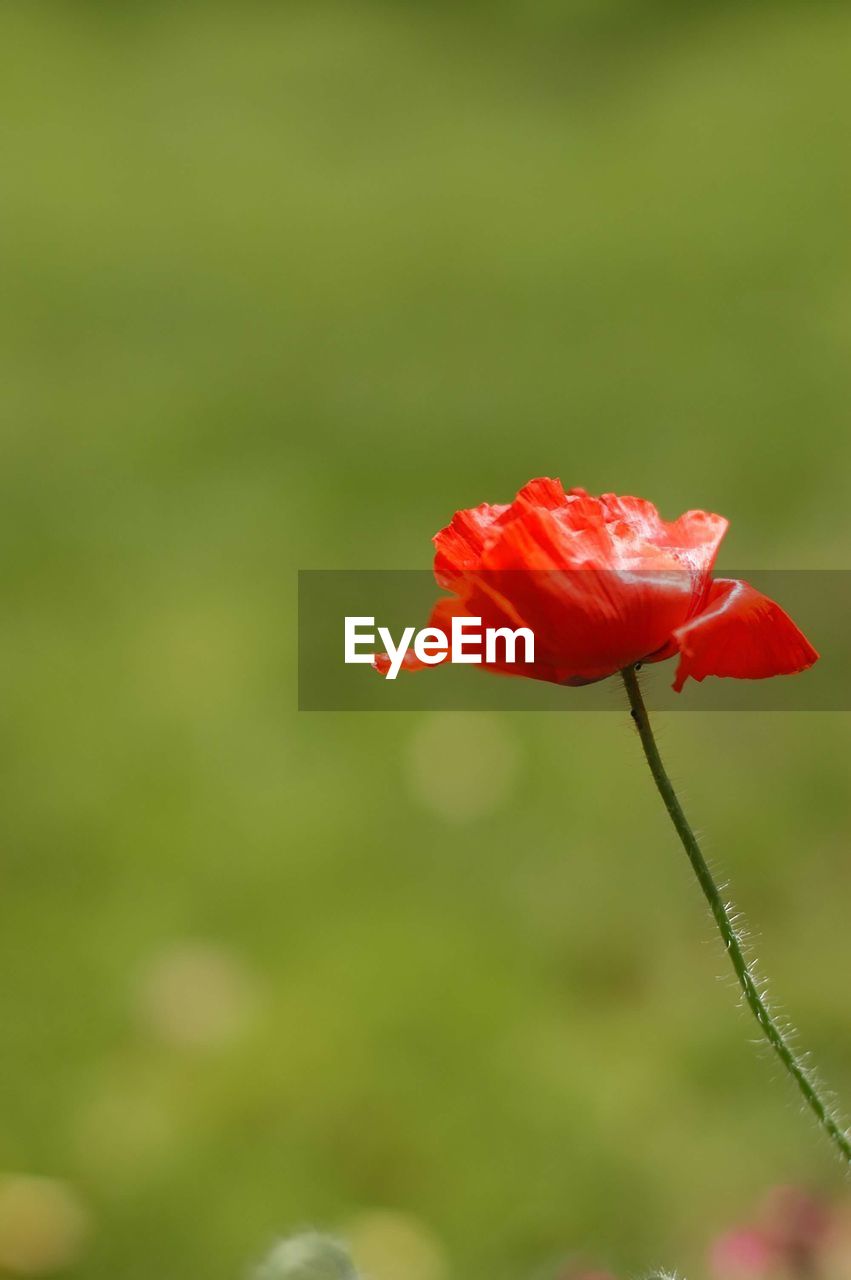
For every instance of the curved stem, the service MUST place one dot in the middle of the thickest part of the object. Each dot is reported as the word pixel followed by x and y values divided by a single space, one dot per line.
pixel 792 1062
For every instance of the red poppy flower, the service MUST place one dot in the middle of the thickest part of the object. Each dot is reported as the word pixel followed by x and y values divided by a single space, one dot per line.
pixel 604 583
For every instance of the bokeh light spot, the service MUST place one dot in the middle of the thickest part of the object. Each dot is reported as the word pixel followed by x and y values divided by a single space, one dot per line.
pixel 388 1245
pixel 43 1225
pixel 196 995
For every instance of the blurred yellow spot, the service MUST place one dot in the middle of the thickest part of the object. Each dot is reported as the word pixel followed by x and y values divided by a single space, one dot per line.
pixel 390 1246
pixel 461 766
pixel 43 1226
pixel 195 995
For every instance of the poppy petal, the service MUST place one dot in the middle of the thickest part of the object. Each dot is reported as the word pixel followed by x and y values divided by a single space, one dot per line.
pixel 694 537
pixel 460 545
pixel 741 633
pixel 542 492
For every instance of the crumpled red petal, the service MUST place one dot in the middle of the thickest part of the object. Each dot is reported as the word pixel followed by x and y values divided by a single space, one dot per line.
pixel 606 582
pixel 459 546
pixel 739 632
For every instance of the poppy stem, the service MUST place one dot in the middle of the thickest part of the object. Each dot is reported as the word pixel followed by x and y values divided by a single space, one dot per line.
pixel 793 1063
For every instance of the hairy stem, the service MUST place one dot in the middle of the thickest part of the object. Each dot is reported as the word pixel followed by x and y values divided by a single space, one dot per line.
pixel 792 1062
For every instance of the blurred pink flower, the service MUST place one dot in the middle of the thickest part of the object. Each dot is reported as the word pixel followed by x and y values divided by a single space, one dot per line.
pixel 796 1222
pixel 788 1237
pixel 742 1254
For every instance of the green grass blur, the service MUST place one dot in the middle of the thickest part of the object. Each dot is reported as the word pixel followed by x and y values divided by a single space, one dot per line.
pixel 283 286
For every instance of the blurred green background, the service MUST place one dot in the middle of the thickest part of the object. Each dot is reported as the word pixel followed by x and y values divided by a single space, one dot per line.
pixel 284 285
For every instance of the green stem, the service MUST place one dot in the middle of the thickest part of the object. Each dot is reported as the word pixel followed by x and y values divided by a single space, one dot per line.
pixel 792 1062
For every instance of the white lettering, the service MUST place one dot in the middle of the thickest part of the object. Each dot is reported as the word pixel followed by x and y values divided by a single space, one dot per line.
pixel 395 652
pixel 459 626
pixel 510 637
pixel 430 645
pixel 355 637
